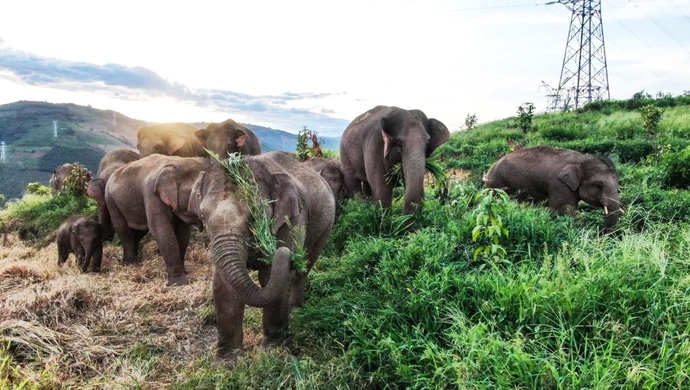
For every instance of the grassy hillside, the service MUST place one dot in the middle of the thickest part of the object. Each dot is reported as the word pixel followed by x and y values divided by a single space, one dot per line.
pixel 566 307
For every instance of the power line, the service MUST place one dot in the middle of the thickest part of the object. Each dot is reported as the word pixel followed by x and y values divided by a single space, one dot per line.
pixel 680 10
pixel 664 29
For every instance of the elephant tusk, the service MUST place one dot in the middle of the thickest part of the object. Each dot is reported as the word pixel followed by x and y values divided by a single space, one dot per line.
pixel 606 210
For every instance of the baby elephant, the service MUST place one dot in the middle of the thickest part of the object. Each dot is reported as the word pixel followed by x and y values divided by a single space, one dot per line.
pixel 82 236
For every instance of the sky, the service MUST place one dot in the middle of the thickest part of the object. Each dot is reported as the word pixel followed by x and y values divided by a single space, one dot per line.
pixel 320 63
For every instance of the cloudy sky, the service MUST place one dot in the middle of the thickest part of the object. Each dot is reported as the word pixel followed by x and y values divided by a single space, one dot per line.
pixel 320 63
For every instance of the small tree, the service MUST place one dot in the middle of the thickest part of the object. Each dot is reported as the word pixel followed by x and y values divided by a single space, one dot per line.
pixel 651 116
pixel 77 182
pixel 470 121
pixel 525 114
pixel 304 151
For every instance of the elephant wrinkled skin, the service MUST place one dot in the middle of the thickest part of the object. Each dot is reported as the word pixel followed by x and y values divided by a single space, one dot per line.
pixel 111 162
pixel 152 194
pixel 382 137
pixel 83 237
pixel 302 210
pixel 561 176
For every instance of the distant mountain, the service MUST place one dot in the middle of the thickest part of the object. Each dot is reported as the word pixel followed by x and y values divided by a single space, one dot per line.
pixel 84 134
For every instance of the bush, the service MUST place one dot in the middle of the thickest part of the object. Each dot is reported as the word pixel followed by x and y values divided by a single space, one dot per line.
pixel 37 188
pixel 676 167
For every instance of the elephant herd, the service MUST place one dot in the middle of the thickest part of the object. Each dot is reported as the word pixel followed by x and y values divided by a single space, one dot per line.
pixel 173 184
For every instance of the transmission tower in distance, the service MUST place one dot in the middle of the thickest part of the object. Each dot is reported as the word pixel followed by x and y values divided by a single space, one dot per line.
pixel 584 75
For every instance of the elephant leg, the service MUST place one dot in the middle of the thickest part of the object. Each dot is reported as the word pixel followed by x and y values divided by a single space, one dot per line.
pixel 106 223
pixel 276 316
pixel 63 253
pixel 561 207
pixel 96 259
pixel 85 255
pixel 130 245
pixel 183 232
pixel 164 234
pixel 299 281
pixel 229 314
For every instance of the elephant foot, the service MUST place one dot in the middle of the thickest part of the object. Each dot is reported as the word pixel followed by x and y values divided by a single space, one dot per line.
pixel 227 357
pixel 277 339
pixel 179 280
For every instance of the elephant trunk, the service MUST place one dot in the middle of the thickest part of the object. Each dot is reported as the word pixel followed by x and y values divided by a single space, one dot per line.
pixel 613 212
pixel 230 256
pixel 414 168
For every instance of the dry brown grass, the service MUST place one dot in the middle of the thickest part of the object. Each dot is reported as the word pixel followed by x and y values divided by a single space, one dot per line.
pixel 120 328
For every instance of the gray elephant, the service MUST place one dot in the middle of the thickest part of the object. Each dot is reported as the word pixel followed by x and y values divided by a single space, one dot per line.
pixel 561 176
pixel 332 172
pixel 111 162
pixel 169 139
pixel 152 194
pixel 301 208
pixel 381 137
pixel 83 237
pixel 229 137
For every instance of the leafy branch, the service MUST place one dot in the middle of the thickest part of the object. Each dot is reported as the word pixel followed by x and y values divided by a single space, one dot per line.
pixel 489 227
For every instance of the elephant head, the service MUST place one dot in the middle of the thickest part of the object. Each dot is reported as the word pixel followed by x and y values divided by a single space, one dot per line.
pixel 595 180
pixel 169 139
pixel 410 137
pixel 229 137
pixel 331 171
pixel 59 175
pixel 219 205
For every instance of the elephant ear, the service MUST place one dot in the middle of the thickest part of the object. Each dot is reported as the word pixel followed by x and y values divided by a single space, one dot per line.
pixel 439 134
pixel 197 195
pixel 571 175
pixel 240 139
pixel 176 143
pixel 202 135
pixel 166 186
pixel 387 137
pixel 96 190
pixel 286 205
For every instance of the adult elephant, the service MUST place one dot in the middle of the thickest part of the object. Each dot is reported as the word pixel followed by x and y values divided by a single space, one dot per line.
pixel 298 201
pixel 152 194
pixel 169 139
pixel 229 137
pixel 382 137
pixel 111 162
pixel 561 176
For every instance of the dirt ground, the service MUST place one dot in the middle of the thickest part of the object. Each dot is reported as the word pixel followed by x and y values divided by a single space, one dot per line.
pixel 119 328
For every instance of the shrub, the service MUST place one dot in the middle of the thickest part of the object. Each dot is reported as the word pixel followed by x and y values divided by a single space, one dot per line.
pixel 677 168
pixel 37 188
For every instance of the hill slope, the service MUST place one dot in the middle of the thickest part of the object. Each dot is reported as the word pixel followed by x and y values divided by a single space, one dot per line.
pixel 85 134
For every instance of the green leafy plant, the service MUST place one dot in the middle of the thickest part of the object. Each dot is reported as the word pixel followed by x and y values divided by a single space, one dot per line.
pixel 651 116
pixel 489 225
pixel 470 121
pixel 525 115
pixel 304 151
pixel 37 188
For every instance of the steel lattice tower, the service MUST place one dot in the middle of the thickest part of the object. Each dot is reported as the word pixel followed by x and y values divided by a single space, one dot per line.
pixel 584 75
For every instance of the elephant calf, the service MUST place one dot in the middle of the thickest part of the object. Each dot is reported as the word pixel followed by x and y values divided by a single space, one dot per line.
pixel 561 176
pixel 331 171
pixel 83 237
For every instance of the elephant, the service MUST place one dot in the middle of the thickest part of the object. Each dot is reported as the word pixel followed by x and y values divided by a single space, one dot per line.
pixel 332 172
pixel 382 137
pixel 61 173
pixel 83 237
pixel 561 176
pixel 229 137
pixel 169 139
pixel 111 162
pixel 152 194
pixel 298 201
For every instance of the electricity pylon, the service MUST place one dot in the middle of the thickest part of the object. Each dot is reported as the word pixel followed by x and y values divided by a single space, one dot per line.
pixel 584 75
